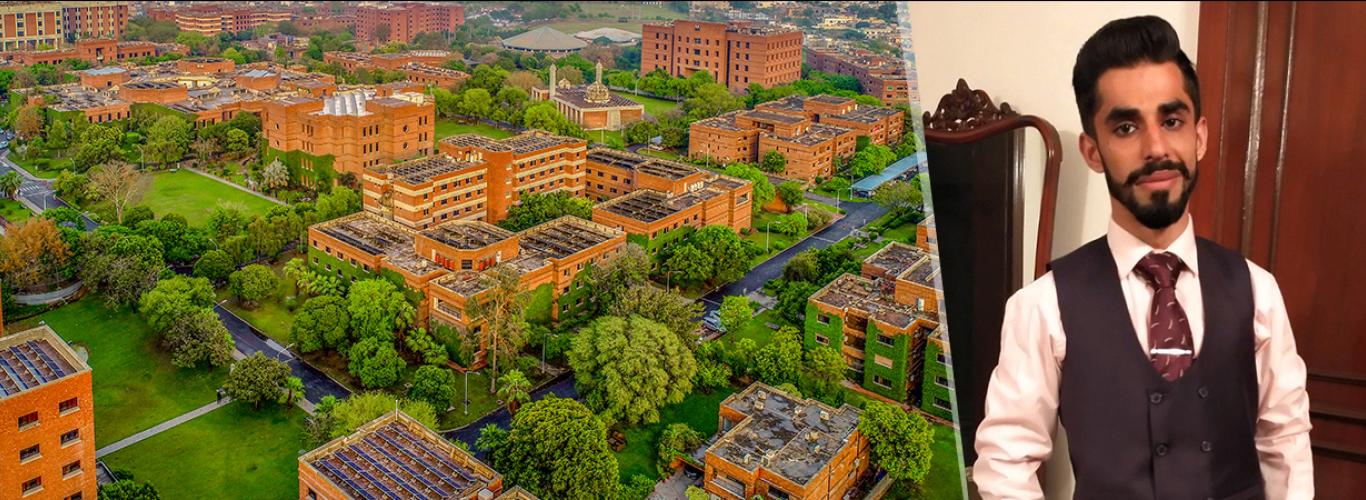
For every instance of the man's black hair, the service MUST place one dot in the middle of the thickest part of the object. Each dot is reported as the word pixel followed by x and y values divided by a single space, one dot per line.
pixel 1125 43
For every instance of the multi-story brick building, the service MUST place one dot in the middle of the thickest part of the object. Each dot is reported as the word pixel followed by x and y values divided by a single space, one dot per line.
pixel 591 106
pixel 810 132
pixel 651 199
pixel 446 264
pixel 881 320
pixel 774 445
pixel 28 25
pixel 95 19
pixel 532 162
pixel 394 456
pixel 97 107
pixel 882 77
pixel 352 61
pixel 401 22
pixel 348 132
pixel 736 54
pixel 93 50
pixel 47 419
pixel 212 19
pixel 437 76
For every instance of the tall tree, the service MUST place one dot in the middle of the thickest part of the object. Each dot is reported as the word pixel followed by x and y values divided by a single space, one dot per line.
pixel 668 308
pixel 28 123
pixel 773 162
pixel 119 264
pixel 252 284
pixel 322 322
pixel 174 298
pixel 378 309
pixel 900 441
pixel 792 194
pixel 556 448
pixel 167 139
pixel 198 337
pixel 514 387
pixel 735 312
pixel 778 362
pixel 899 197
pixel 10 184
pixel 32 251
pixel 257 378
pixel 361 408
pixel 435 385
pixel 375 362
pixel 121 184
pixel 628 368
pixel 504 322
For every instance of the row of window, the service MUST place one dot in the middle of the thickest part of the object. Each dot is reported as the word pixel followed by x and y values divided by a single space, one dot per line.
pixel 34 452
pixel 63 408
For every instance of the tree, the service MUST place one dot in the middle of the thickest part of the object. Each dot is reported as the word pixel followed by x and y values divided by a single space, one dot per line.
pixel 793 298
pixel 252 284
pixel 900 441
pixel 378 309
pixel 899 197
pixel 179 242
pixel 729 257
pixel 320 323
pixel 544 116
pixel 763 189
pixel 712 370
pixel 215 265
pixel 536 208
pixel 711 99
pixel 435 385
pixel 513 389
pixel 677 439
pixel 375 362
pixel 524 80
pixel 802 267
pixel 791 193
pixel 361 408
pixel 121 185
pixel 871 160
pixel 427 347
pixel 823 372
pixel 167 139
pixel 687 264
pixel 233 55
pixel 477 102
pixel 99 144
pixel 198 337
pixel 793 224
pixel 505 323
pixel 28 124
pixel 555 448
pixel 777 362
pixel 573 74
pixel 665 307
pixel 72 186
pixel 126 488
pixel 257 378
pixel 610 278
pixel 275 176
pixel 773 162
pixel 10 183
pixel 32 251
pixel 293 390
pixel 173 299
pixel 628 368
pixel 237 141
pixel 120 265
pixel 735 312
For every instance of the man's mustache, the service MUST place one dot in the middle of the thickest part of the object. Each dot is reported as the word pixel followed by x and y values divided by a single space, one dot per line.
pixel 1154 167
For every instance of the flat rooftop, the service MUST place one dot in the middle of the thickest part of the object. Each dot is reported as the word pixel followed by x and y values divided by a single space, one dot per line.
pixel 791 437
pixel 564 237
pixel 72 96
pixel 150 85
pixel 867 114
pixel 769 116
pixel 435 70
pixel 790 104
pixel 524 143
pixel 862 294
pixel 33 358
pixel 463 283
pixel 816 134
pixel 897 258
pixel 723 122
pixel 645 205
pixel 374 235
pixel 648 165
pixel 468 234
pixel 578 97
pixel 394 456
pixel 830 99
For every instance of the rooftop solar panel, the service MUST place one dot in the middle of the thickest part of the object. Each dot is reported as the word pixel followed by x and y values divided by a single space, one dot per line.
pixel 439 473
pixel 433 486
pixel 336 471
pixel 56 367
pixel 366 456
pixel 458 469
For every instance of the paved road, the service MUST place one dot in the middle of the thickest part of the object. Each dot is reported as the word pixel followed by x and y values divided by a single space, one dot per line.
pixel 562 387
pixel 858 214
pixel 37 191
pixel 250 341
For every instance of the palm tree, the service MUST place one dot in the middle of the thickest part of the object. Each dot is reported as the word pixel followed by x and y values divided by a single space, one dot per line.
pixel 294 388
pixel 504 322
pixel 10 183
pixel 514 390
pixel 297 271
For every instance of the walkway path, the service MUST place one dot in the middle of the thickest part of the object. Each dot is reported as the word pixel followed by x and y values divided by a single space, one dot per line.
pixel 239 188
pixel 159 428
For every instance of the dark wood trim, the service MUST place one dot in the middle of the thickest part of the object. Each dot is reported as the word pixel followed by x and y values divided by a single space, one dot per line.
pixel 1338 377
pixel 1339 451
pixel 1338 413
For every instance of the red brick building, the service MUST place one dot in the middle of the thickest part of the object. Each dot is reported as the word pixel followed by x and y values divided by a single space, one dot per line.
pixel 95 19
pixel 774 445
pixel 212 19
pixel 735 53
pixel 882 77
pixel 28 25
pixel 47 419
pixel 357 129
pixel 93 50
pixel 401 22
pixel 591 106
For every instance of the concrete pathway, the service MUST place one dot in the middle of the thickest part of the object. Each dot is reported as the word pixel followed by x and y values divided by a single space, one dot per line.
pixel 159 428
pixel 239 188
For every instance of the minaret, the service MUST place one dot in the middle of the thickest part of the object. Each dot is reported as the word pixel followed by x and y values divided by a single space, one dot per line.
pixel 598 77
pixel 552 83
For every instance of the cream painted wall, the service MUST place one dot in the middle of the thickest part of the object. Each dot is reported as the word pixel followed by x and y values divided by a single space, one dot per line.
pixel 1022 53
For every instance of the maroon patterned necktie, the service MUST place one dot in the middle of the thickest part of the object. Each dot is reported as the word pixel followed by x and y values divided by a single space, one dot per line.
pixel 1169 334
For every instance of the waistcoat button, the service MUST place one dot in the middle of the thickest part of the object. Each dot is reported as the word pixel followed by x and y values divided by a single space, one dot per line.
pixel 1203 392
pixel 1206 447
pixel 1155 397
pixel 1161 450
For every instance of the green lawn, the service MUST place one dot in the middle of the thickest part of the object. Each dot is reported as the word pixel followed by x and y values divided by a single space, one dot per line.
pixel 270 316
pixel 196 196
pixel 605 136
pixel 943 482
pixel 14 211
pixel 757 329
pixel 54 167
pixel 135 384
pixel 698 410
pixel 481 402
pixel 447 128
pixel 655 107
pixel 232 452
pixel 775 242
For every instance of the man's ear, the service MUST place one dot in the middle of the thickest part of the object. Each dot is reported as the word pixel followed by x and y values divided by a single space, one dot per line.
pixel 1201 136
pixel 1090 151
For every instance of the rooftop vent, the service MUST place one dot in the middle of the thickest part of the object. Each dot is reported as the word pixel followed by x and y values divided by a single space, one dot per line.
pixel 813 436
pixel 759 405
pixel 825 416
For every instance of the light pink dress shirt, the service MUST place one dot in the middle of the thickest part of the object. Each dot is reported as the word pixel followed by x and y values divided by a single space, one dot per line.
pixel 1015 435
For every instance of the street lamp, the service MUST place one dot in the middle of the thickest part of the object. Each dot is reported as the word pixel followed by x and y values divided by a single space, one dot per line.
pixel 668 279
pixel 767 229
pixel 467 392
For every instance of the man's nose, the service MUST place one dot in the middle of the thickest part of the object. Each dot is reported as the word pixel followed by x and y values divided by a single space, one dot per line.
pixel 1155 145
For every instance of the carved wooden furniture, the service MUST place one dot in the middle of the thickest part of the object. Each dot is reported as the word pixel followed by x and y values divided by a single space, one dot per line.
pixel 975 152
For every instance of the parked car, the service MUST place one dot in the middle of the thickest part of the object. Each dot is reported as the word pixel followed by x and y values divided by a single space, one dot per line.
pixel 4 143
pixel 713 320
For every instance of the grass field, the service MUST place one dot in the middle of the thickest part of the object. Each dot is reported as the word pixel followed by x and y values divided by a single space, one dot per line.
pixel 775 242
pixel 135 384
pixel 196 196
pixel 447 128
pixel 629 9
pixel 942 483
pixel 14 211
pixel 655 107
pixel 481 402
pixel 231 452
pixel 54 167
pixel 698 410
pixel 757 329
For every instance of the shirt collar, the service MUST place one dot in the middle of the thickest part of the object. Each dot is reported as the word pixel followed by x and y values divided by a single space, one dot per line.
pixel 1127 249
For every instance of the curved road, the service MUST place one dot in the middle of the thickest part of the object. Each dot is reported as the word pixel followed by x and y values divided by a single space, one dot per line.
pixel 249 340
pixel 563 387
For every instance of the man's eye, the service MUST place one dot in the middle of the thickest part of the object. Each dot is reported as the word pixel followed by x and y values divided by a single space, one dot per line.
pixel 1172 123
pixel 1125 129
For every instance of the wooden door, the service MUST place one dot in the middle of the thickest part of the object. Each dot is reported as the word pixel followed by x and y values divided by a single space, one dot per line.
pixel 1284 88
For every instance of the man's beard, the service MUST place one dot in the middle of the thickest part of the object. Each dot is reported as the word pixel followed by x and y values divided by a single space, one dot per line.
pixel 1161 211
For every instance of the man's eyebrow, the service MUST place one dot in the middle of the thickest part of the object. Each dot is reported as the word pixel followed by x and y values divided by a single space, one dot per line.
pixel 1173 106
pixel 1121 114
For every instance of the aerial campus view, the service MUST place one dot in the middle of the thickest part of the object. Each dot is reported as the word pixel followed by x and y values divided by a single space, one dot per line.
pixel 467 250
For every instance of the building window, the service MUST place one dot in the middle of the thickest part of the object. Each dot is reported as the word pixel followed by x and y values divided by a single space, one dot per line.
pixel 886 341
pixel 71 468
pixel 882 382
pixel 29 453
pixel 67 406
pixel 823 319
pixel 71 436
pixel 28 421
pixel 75 496
pixel 943 382
pixel 943 405
pixel 33 485
pixel 820 339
